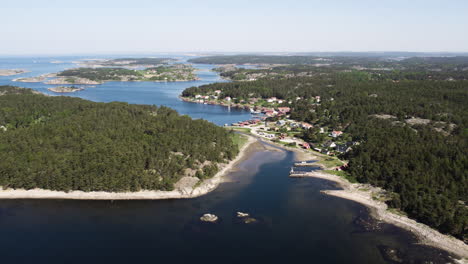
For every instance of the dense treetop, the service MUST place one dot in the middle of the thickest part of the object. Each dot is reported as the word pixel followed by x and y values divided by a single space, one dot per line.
pixel 64 143
pixel 425 165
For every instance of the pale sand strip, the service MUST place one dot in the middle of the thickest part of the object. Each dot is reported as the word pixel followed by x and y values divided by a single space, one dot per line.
pixel 426 235
pixel 203 188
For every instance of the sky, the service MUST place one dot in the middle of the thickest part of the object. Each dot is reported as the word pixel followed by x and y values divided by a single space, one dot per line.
pixel 146 26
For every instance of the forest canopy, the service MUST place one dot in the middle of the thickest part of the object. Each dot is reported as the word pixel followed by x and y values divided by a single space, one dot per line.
pixel 65 143
pixel 411 126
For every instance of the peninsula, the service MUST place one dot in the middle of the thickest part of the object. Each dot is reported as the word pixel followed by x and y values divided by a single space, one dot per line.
pixel 107 150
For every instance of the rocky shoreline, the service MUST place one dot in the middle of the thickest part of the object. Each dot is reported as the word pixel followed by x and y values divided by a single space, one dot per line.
pixel 364 194
pixel 10 72
pixel 192 190
pixel 64 89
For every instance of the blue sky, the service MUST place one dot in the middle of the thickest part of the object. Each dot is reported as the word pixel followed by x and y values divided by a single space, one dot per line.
pixel 143 26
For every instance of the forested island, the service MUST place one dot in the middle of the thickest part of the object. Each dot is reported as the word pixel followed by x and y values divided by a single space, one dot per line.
pixel 399 124
pixel 65 144
pixel 90 76
pixel 127 62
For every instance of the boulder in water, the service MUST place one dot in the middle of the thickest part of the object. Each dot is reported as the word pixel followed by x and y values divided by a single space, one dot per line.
pixel 240 214
pixel 209 218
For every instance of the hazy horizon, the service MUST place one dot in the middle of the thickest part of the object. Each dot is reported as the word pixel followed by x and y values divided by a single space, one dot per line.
pixel 49 27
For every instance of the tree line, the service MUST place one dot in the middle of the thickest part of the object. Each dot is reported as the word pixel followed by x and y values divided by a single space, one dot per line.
pixel 64 143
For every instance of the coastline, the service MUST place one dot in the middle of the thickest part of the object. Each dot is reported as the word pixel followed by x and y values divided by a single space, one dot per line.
pixel 189 192
pixel 363 194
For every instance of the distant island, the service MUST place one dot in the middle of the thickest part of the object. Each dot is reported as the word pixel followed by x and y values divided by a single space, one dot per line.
pixel 117 149
pixel 8 72
pixel 64 89
pixel 90 76
pixel 257 59
pixel 126 62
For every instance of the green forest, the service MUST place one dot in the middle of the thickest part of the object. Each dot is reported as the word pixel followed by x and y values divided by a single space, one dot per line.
pixel 65 143
pixel 424 164
pixel 174 72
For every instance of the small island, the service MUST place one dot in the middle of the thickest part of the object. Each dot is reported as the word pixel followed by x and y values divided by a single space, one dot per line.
pixel 65 89
pixel 92 76
pixel 10 72
pixel 126 62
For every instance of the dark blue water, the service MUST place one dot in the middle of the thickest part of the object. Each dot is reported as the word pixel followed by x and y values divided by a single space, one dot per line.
pixel 295 222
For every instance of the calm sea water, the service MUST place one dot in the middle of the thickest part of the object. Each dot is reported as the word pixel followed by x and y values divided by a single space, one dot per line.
pixel 296 223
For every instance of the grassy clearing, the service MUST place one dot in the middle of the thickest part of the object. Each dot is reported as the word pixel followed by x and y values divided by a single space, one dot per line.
pixel 331 162
pixel 343 174
pixel 241 129
pixel 239 139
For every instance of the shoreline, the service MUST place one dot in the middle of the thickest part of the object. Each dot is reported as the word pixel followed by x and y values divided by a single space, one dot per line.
pixel 379 210
pixel 189 192
pixel 362 194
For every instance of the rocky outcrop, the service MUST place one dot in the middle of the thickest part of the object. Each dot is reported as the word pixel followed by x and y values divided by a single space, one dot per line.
pixel 209 218
pixel 11 72
pixel 71 80
pixel 64 89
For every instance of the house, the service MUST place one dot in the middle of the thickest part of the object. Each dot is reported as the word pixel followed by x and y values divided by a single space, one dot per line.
pixel 217 92
pixel 322 130
pixel 280 101
pixel 329 144
pixel 281 123
pixel 305 125
pixel 326 152
pixel 228 98
pixel 271 99
pixel 343 148
pixel 317 99
pixel 336 134
pixel 305 145
pixel 284 110
pixel 198 96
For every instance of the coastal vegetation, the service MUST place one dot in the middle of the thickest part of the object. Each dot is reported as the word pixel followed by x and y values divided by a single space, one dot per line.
pixel 128 62
pixel 256 59
pixel 403 124
pixel 170 73
pixel 64 143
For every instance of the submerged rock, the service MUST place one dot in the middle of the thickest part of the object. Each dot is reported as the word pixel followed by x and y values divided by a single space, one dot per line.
pixel 240 214
pixel 245 218
pixel 391 255
pixel 209 218
pixel 249 220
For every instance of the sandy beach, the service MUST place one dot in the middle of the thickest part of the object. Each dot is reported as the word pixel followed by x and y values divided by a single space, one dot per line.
pixel 192 191
pixel 363 194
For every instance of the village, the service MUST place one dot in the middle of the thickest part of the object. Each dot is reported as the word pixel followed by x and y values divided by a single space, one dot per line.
pixel 272 122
